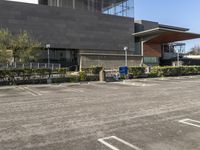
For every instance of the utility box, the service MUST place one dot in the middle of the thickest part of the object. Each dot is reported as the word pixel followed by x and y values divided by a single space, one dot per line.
pixel 123 70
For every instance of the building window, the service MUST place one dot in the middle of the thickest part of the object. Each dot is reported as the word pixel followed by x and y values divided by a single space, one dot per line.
pixel 137 46
pixel 118 7
pixel 150 60
pixel 112 7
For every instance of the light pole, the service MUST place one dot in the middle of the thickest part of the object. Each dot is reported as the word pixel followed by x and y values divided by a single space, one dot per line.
pixel 178 58
pixel 126 57
pixel 178 55
pixel 48 47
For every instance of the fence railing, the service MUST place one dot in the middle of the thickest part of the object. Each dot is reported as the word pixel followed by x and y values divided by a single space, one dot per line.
pixel 31 65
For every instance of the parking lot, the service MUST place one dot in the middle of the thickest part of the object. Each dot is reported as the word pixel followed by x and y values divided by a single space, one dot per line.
pixel 141 114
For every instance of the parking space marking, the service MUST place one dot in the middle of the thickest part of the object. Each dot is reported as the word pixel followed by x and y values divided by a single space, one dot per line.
pixel 33 91
pixel 190 122
pixel 102 140
pixel 30 91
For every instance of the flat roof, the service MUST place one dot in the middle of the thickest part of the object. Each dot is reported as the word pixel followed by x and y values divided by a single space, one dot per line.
pixel 166 35
pixel 173 27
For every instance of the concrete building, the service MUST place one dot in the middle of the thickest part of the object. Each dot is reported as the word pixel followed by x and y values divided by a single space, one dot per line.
pixel 86 33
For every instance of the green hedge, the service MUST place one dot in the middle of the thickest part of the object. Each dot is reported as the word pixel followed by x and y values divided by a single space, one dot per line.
pixel 39 76
pixel 23 72
pixel 92 70
pixel 135 72
pixel 174 71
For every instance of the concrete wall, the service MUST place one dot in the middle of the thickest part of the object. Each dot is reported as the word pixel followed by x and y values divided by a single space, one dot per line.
pixel 142 25
pixel 108 62
pixel 107 59
pixel 68 28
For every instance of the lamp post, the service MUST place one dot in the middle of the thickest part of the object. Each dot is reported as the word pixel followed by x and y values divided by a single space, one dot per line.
pixel 49 79
pixel 48 48
pixel 178 64
pixel 126 57
pixel 178 56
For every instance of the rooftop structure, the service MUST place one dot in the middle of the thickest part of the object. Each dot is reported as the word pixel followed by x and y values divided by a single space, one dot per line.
pixel 113 7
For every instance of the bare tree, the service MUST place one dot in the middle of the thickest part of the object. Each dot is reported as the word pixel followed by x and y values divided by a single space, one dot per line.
pixel 195 50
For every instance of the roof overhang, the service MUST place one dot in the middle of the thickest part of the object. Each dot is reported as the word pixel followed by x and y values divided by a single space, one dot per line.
pixel 165 35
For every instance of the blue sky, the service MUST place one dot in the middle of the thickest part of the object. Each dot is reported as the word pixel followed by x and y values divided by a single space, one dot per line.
pixel 183 13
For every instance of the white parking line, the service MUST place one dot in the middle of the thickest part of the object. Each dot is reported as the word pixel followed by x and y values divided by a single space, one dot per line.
pixel 30 91
pixel 191 122
pixel 102 140
pixel 33 91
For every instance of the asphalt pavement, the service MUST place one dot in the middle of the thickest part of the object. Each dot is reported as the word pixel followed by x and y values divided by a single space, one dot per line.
pixel 140 114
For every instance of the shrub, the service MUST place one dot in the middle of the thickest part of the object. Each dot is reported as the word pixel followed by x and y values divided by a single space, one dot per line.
pixel 24 75
pixel 83 76
pixel 61 71
pixel 175 71
pixel 92 70
pixel 136 72
pixel 74 78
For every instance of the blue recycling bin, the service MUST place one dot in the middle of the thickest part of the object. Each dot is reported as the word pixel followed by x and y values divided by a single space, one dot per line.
pixel 123 70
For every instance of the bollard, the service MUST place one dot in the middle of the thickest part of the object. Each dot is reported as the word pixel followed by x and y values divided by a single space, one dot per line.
pixel 49 80
pixel 102 75
pixel 148 69
pixel 31 65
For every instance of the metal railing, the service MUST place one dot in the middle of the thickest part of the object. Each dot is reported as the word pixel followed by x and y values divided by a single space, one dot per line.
pixel 32 65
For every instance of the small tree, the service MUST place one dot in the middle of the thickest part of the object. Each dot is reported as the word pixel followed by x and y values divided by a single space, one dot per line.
pixel 24 48
pixel 5 40
pixel 195 50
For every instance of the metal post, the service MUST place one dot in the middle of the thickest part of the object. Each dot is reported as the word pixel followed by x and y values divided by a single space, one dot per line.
pixel 126 55
pixel 74 4
pixel 49 78
pixel 52 67
pixel 126 63
pixel 48 58
pixel 48 48
pixel 178 59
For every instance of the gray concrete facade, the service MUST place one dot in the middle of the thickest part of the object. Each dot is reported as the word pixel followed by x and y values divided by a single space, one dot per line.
pixel 108 59
pixel 67 28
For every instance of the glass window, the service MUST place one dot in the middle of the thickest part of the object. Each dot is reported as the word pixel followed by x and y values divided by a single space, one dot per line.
pixel 112 7
pixel 119 7
pixel 150 60
pixel 137 46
